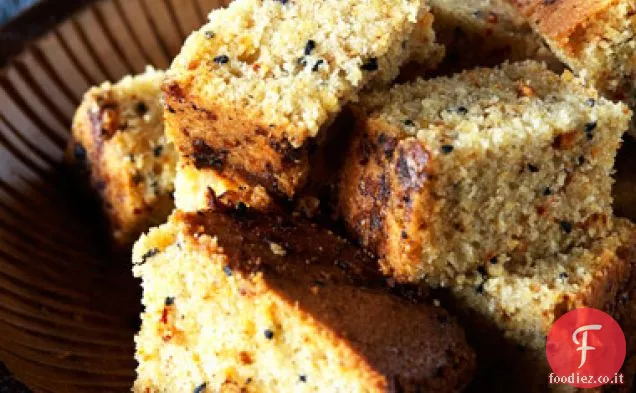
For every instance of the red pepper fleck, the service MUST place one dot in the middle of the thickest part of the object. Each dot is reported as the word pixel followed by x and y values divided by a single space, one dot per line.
pixel 164 315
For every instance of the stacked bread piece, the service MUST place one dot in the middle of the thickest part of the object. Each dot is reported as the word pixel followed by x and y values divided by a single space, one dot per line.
pixel 250 99
pixel 496 184
pixel 512 162
pixel 489 189
pixel 119 140
pixel 486 33
pixel 596 39
pixel 241 301
pixel 246 302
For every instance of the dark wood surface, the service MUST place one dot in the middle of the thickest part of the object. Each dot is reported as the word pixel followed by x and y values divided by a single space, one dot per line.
pixel 32 23
pixel 14 36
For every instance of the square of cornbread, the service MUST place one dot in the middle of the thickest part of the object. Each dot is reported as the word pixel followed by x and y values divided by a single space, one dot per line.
pixel 118 139
pixel 251 91
pixel 486 33
pixel 520 303
pixel 242 302
pixel 596 39
pixel 447 173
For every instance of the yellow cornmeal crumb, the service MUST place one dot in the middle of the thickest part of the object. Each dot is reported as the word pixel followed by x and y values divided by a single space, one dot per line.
pixel 447 173
pixel 272 71
pixel 523 302
pixel 596 39
pixel 486 32
pixel 253 89
pixel 118 138
pixel 222 313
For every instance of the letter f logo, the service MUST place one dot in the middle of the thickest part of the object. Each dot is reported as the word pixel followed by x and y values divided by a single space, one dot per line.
pixel 584 347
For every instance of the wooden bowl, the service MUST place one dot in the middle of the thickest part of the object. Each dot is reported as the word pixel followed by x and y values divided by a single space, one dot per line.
pixel 68 307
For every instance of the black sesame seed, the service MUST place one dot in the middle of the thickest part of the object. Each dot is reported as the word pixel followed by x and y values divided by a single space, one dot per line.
pixel 566 226
pixel 311 44
pixel 318 63
pixel 563 275
pixel 227 270
pixel 409 123
pixel 200 389
pixel 447 149
pixel 302 378
pixel 222 59
pixel 533 168
pixel 268 334
pixel 547 191
pixel 493 260
pixel 590 102
pixel 282 1
pixel 149 254
pixel 157 150
pixel 461 110
pixel 589 127
pixel 581 160
pixel 141 108
pixel 404 235
pixel 481 270
pixel 209 34
pixel 370 65
pixel 169 301
pixel 79 152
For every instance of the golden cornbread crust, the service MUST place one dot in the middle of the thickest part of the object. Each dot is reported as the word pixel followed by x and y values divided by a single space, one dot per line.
pixel 486 33
pixel 118 138
pixel 445 174
pixel 597 39
pixel 243 302
pixel 252 90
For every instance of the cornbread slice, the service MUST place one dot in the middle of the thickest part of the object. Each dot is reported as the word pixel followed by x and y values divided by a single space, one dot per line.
pixel 252 91
pixel 519 303
pixel 597 39
pixel 252 303
pixel 118 137
pixel 445 174
pixel 486 33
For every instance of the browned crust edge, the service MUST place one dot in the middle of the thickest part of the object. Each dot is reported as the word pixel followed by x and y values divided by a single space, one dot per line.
pixel 236 146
